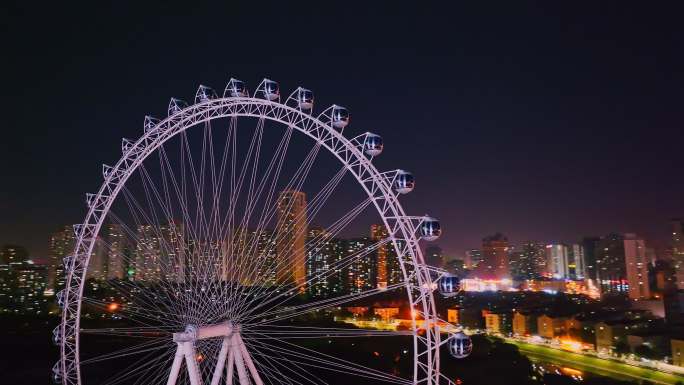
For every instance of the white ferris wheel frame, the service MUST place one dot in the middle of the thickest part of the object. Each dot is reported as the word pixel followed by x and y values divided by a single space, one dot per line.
pixel 403 230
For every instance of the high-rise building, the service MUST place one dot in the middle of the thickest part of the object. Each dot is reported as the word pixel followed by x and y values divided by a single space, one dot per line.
pixel 495 263
pixel 622 266
pixel 663 277
pixel 531 261
pixel 379 233
pixel 22 283
pixel 473 257
pixel 637 262
pixel 62 244
pixel 266 257
pixel 97 265
pixel 361 273
pixel 326 272
pixel 161 253
pixel 337 281
pixel 13 254
pixel 557 261
pixel 677 244
pixel 434 256
pixel 173 257
pixel 291 237
pixel 394 273
pixel 590 247
pixel 116 263
pixel 576 261
pixel 515 259
pixel 148 254
pixel 318 262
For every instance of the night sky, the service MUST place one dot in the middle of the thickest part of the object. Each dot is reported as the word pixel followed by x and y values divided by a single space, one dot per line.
pixel 545 122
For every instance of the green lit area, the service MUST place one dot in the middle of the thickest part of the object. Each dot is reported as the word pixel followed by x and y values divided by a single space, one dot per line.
pixel 596 365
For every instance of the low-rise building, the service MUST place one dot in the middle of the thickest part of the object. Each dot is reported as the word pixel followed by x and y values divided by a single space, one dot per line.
pixel 551 326
pixel 581 327
pixel 654 343
pixel 386 313
pixel 524 323
pixel 609 333
pixel 497 322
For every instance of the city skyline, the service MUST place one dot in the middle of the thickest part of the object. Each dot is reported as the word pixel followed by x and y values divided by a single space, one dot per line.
pixel 271 192
pixel 560 111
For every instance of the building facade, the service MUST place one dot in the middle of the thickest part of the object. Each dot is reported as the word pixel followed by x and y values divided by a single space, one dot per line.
pixel 291 237
pixel 495 263
pixel 557 261
pixel 623 266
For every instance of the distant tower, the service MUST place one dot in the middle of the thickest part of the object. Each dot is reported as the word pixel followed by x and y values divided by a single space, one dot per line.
pixel 531 261
pixel 495 263
pixel 677 234
pixel 97 265
pixel 636 261
pixel 590 248
pixel 378 233
pixel 361 272
pixel 319 261
pixel 267 257
pixel 291 237
pixel 10 254
pixel 473 257
pixel 61 245
pixel 172 259
pixel 623 266
pixel 557 261
pixel 147 260
pixel 115 257
pixel 576 261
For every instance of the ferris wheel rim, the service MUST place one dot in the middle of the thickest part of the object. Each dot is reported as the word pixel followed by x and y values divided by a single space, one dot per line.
pixel 180 121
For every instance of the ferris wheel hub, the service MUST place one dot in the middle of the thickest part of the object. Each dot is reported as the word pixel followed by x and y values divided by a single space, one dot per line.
pixel 194 332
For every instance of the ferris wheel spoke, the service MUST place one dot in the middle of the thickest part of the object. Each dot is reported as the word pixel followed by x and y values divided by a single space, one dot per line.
pixel 155 331
pixel 318 333
pixel 290 312
pixel 189 236
pixel 291 290
pixel 157 301
pixel 318 201
pixel 277 158
pixel 295 183
pixel 236 189
pixel 144 347
pixel 149 232
pixel 296 370
pixel 140 366
pixel 169 255
pixel 179 187
pixel 313 358
pixel 153 374
pixel 139 315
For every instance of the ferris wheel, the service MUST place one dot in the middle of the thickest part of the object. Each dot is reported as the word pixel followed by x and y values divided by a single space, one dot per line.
pixel 219 250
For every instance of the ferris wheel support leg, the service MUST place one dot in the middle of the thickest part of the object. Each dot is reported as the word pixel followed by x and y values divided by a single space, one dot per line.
pixel 190 361
pixel 248 360
pixel 230 368
pixel 239 362
pixel 175 367
pixel 221 362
